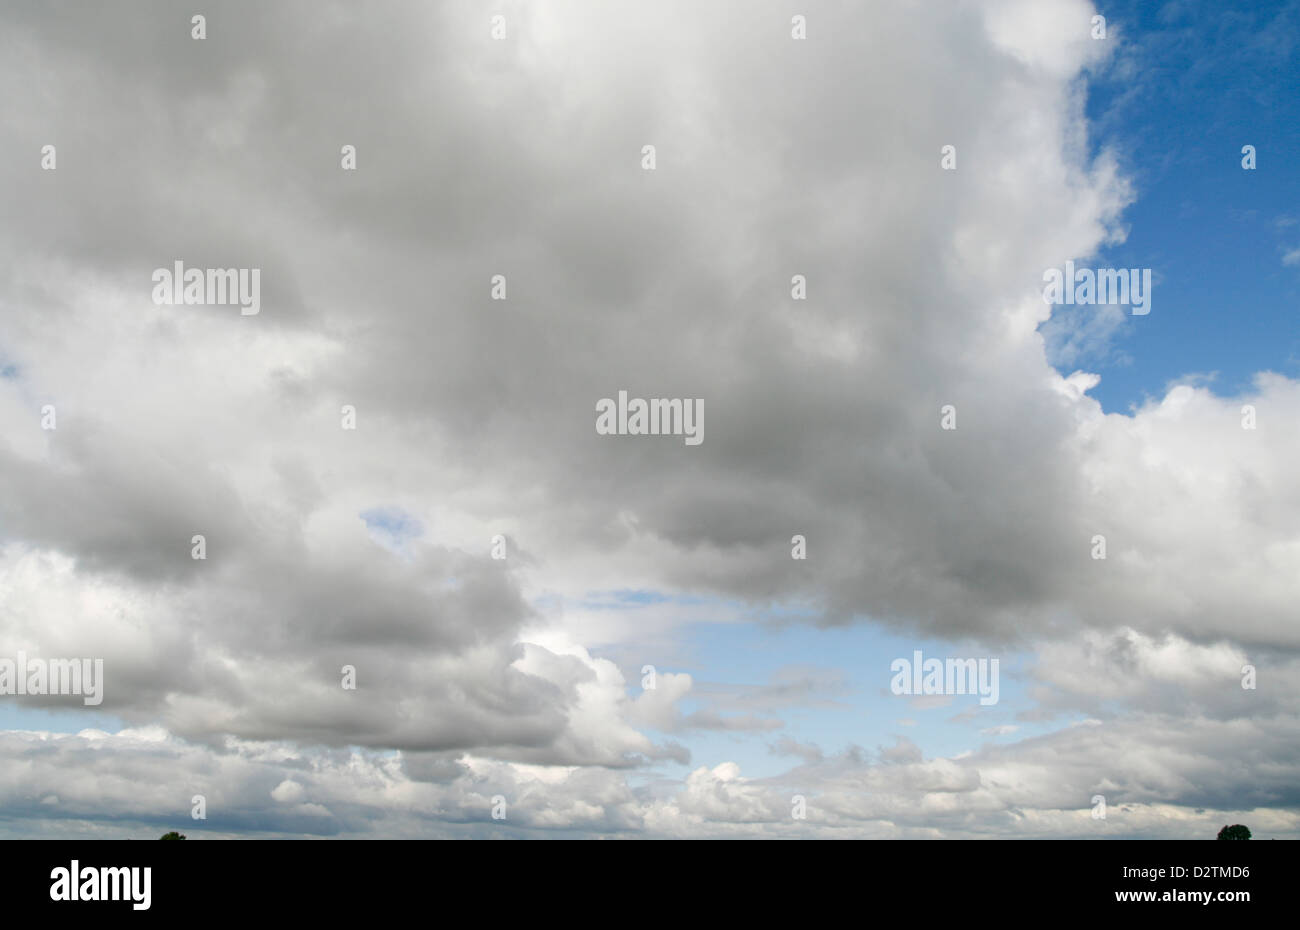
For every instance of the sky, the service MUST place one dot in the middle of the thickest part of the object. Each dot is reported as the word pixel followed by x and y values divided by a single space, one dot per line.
pixel 396 467
pixel 1223 243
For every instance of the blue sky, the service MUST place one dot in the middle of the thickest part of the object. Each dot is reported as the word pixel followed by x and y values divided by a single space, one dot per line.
pixel 1207 78
pixel 839 713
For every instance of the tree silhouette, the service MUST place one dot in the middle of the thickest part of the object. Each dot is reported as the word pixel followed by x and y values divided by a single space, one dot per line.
pixel 1237 831
pixel 180 836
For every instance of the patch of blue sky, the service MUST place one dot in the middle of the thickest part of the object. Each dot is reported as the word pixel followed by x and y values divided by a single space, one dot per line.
pixel 55 720
pixel 1193 82
pixel 627 597
pixel 831 688
pixel 392 528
